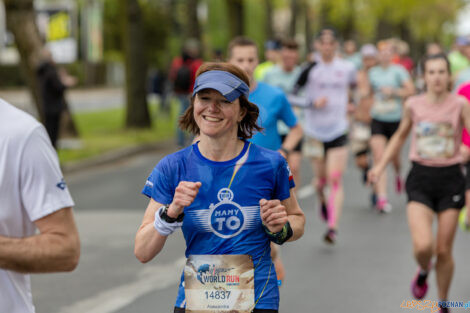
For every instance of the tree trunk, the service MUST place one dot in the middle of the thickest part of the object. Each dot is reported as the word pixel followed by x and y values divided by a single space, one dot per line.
pixel 308 26
pixel 137 114
pixel 294 9
pixel 21 21
pixel 384 29
pixel 349 31
pixel 269 19
pixel 194 31
pixel 235 17
pixel 325 8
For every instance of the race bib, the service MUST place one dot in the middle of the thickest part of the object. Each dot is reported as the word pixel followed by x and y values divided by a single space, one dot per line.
pixel 219 283
pixel 435 140
pixel 386 106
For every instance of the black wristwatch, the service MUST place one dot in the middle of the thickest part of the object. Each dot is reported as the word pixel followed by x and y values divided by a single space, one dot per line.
pixel 164 216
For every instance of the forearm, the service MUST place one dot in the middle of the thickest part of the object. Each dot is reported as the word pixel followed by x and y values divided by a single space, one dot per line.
pixel 51 252
pixel 393 147
pixel 148 243
pixel 293 138
pixel 297 223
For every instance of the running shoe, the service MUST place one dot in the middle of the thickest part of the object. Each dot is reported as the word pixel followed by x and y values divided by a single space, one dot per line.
pixel 373 199
pixel 330 236
pixel 398 184
pixel 323 212
pixel 383 206
pixel 419 291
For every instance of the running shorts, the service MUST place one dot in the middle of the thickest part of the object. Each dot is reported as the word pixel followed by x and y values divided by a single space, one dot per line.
pixel 386 129
pixel 314 148
pixel 298 147
pixel 439 188
pixel 467 176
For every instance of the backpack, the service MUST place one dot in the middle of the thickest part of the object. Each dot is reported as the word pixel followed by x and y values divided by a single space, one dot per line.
pixel 182 81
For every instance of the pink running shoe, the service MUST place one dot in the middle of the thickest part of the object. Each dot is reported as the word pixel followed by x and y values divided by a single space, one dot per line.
pixel 418 291
pixel 398 184
pixel 383 206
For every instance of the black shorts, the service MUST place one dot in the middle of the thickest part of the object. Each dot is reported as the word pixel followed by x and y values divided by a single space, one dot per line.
pixel 298 147
pixel 439 188
pixel 180 310
pixel 467 176
pixel 386 129
pixel 340 141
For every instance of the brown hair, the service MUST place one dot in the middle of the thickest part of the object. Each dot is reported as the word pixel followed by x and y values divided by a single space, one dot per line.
pixel 248 124
pixel 290 44
pixel 438 56
pixel 240 41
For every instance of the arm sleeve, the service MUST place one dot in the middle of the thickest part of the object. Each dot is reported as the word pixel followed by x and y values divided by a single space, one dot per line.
pixel 284 181
pixel 158 185
pixel 287 115
pixel 43 189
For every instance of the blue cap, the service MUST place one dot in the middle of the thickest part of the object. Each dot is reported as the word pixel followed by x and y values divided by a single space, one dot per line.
pixel 229 85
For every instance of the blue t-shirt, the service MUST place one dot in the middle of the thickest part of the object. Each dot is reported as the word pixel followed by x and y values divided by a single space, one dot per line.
pixel 225 215
pixel 273 106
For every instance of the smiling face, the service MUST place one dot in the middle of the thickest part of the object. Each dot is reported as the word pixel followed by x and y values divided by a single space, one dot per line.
pixel 436 75
pixel 216 116
pixel 245 57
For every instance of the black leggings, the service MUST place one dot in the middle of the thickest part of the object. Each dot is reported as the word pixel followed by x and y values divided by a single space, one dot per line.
pixel 182 310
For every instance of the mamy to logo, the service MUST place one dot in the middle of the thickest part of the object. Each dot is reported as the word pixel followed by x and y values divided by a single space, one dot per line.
pixel 226 218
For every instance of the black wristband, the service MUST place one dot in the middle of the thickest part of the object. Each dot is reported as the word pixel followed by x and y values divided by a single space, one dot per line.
pixel 280 237
pixel 285 150
pixel 166 218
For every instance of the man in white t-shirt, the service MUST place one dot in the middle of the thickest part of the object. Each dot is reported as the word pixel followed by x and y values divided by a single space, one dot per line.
pixel 33 196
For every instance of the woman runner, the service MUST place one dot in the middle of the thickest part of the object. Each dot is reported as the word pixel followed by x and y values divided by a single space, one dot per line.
pixel 231 198
pixel 435 185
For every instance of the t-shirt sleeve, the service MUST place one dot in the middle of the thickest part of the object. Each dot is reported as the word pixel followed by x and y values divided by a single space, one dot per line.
pixel 284 181
pixel 403 74
pixel 287 114
pixel 42 186
pixel 158 185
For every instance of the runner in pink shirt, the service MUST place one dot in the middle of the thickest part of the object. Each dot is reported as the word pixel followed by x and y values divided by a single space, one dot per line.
pixel 435 185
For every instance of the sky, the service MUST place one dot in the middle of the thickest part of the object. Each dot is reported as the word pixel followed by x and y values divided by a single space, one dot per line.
pixel 463 21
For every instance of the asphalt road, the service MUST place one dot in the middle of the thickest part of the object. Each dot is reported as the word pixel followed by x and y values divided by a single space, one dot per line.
pixel 369 269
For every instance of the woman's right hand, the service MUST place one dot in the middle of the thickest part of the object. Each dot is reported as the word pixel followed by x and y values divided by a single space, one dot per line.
pixel 373 175
pixel 185 193
pixel 320 102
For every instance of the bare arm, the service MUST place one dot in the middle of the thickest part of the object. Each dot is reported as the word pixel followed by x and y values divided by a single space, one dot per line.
pixel 408 89
pixel 55 249
pixel 466 115
pixel 395 144
pixel 293 138
pixel 148 241
pixel 295 215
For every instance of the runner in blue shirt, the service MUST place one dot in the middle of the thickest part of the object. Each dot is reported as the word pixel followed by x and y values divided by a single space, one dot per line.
pixel 228 218
pixel 273 106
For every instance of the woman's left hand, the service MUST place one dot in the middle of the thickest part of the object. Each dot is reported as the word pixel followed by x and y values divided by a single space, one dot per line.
pixel 273 214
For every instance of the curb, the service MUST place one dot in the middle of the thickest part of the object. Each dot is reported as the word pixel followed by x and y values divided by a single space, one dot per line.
pixel 117 155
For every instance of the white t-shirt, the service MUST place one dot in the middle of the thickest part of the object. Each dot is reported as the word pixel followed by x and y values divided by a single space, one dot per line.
pixel 31 187
pixel 331 80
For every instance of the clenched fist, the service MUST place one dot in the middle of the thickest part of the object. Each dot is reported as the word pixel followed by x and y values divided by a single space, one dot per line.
pixel 273 214
pixel 185 193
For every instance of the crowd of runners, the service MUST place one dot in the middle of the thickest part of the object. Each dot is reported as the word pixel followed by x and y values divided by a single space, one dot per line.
pixel 232 191
pixel 366 101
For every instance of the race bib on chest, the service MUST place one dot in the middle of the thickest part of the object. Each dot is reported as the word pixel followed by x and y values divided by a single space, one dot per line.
pixel 435 140
pixel 219 283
